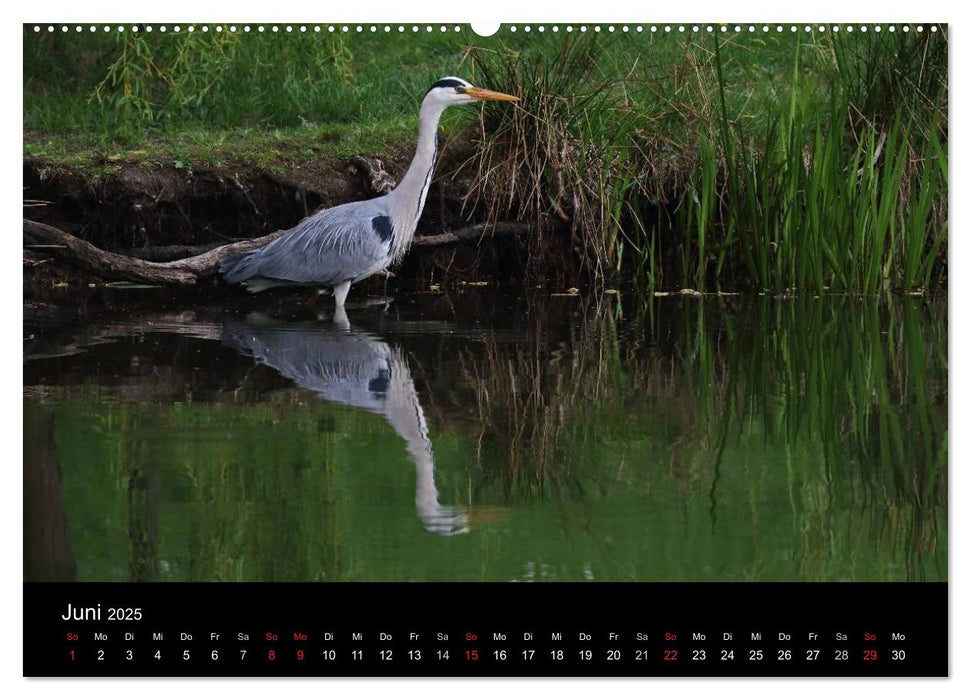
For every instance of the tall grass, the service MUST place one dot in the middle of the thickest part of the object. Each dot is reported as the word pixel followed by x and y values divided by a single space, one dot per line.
pixel 127 87
pixel 835 184
pixel 825 199
pixel 540 163
pixel 805 214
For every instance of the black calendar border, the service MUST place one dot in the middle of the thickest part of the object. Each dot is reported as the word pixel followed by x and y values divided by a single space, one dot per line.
pixel 918 611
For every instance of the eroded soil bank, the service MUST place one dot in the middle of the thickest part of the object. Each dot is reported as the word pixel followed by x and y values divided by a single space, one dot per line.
pixel 164 210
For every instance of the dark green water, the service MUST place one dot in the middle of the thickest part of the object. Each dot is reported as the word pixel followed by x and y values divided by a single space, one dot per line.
pixel 488 437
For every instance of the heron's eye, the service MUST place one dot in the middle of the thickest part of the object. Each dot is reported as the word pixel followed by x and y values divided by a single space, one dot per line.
pixel 459 89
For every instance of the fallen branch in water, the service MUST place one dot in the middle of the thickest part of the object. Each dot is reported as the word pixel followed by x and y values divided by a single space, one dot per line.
pixel 187 271
pixel 474 233
pixel 170 253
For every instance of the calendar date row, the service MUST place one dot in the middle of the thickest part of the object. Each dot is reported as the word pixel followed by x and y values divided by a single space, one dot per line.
pixel 412 655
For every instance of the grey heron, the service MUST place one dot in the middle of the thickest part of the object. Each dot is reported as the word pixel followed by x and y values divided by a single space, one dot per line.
pixel 344 244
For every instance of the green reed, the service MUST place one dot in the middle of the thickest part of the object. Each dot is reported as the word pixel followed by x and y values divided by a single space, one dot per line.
pixel 825 189
pixel 821 199
pixel 809 213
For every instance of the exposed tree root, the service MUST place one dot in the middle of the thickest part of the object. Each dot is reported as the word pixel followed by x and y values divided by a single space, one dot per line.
pixel 373 175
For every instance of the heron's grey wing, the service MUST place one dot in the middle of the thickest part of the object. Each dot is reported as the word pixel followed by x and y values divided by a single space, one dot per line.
pixel 346 242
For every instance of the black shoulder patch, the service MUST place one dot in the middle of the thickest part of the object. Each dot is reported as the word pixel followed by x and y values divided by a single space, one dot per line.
pixel 383 227
pixel 379 384
pixel 446 82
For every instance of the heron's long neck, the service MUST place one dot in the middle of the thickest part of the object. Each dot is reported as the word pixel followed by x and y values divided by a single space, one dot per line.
pixel 408 198
pixel 405 415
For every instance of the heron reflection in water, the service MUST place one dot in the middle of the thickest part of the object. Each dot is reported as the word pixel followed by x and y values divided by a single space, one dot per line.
pixel 351 367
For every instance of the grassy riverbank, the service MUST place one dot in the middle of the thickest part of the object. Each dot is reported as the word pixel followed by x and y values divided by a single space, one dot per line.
pixel 764 159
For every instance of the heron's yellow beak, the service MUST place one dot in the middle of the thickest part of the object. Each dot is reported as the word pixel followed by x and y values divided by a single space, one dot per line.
pixel 480 94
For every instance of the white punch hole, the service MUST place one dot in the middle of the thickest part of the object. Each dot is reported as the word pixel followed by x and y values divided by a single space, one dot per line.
pixel 485 28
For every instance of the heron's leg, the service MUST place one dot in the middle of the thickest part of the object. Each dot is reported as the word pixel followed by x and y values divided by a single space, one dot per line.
pixel 340 292
pixel 340 319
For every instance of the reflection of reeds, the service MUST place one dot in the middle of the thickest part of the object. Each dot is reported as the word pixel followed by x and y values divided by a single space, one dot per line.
pixel 855 383
pixel 530 397
pixel 840 402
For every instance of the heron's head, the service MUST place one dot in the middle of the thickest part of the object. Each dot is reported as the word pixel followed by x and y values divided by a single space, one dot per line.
pixel 455 91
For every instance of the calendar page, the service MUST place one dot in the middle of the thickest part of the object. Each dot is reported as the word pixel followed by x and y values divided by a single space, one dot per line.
pixel 512 350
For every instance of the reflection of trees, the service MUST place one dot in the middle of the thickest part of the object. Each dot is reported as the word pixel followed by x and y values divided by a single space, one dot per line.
pixel 142 521
pixel 47 547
